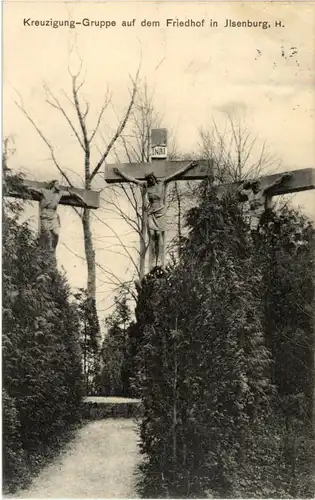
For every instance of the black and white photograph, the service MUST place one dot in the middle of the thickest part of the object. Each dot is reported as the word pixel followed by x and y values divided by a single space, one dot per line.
pixel 158 250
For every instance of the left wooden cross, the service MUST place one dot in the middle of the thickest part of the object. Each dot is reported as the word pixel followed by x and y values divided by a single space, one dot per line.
pixel 91 198
pixel 50 195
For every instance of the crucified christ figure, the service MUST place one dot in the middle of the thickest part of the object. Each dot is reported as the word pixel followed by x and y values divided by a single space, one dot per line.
pixel 156 210
pixel 49 219
pixel 260 199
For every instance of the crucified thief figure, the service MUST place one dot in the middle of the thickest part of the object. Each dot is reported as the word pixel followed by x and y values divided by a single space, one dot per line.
pixel 49 218
pixel 156 210
pixel 260 200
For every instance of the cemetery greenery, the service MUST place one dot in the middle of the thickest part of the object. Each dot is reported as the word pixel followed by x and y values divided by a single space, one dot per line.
pixel 118 351
pixel 220 353
pixel 42 360
pixel 224 362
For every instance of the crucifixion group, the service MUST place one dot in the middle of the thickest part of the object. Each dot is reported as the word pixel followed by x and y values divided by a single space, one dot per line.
pixel 153 177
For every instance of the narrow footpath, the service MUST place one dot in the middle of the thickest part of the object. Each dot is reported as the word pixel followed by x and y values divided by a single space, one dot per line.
pixel 99 463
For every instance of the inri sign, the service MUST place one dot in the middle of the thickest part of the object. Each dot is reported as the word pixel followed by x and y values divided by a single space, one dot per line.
pixel 158 144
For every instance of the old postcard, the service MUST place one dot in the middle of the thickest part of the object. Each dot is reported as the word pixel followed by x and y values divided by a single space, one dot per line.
pixel 158 249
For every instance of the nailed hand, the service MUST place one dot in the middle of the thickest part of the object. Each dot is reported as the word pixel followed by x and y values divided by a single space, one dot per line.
pixel 288 175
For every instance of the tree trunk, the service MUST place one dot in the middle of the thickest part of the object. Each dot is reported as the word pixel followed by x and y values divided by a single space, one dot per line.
pixel 143 234
pixel 91 318
pixel 174 423
pixel 90 255
pixel 179 220
pixel 311 391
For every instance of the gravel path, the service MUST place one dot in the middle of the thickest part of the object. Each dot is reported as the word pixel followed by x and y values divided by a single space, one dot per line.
pixel 99 463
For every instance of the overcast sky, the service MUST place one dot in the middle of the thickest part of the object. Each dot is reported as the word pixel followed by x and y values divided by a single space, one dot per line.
pixel 266 75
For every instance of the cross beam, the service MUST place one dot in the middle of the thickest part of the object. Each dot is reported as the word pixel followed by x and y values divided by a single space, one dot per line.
pixel 161 168
pixel 165 170
pixel 92 198
pixel 301 180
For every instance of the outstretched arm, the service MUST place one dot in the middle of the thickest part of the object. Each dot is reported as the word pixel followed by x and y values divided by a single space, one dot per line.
pixel 69 193
pixel 278 182
pixel 35 191
pixel 128 178
pixel 242 191
pixel 181 171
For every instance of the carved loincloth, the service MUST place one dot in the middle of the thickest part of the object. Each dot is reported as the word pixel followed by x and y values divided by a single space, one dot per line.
pixel 49 220
pixel 157 219
pixel 255 217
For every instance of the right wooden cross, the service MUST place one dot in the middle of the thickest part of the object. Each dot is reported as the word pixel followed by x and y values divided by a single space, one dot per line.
pixel 301 180
pixel 154 176
pixel 259 192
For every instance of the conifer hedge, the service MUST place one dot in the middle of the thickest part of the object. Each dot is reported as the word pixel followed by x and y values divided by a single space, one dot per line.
pixel 225 354
pixel 42 380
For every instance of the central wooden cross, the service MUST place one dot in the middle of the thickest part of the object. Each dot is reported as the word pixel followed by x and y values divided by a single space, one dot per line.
pixel 153 178
pixel 161 168
pixel 165 170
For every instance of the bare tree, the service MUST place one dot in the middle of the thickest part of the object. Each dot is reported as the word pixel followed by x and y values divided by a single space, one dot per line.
pixel 134 146
pixel 237 153
pixel 85 137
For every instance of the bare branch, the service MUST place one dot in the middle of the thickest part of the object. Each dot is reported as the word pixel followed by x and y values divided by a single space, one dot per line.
pixel 48 144
pixel 56 104
pixel 120 128
pixel 77 74
pixel 232 147
pixel 118 238
pixel 114 281
pixel 132 199
pixel 73 253
pixel 75 94
pixel 130 221
pixel 126 148
pixel 105 105
pixel 68 98
pixel 86 110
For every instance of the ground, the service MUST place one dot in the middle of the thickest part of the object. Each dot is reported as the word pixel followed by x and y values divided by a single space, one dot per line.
pixel 110 399
pixel 99 463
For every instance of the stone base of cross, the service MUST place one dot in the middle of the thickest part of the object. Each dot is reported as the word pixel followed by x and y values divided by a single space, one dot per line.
pixel 154 176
